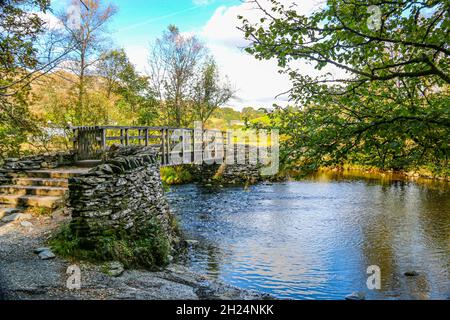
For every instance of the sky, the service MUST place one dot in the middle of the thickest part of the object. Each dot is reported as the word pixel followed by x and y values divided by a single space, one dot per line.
pixel 138 23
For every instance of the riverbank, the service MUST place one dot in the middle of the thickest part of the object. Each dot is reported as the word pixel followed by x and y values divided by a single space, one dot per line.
pixel 370 173
pixel 416 175
pixel 23 275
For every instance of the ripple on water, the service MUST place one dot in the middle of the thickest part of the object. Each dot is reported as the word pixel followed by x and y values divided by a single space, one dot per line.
pixel 315 239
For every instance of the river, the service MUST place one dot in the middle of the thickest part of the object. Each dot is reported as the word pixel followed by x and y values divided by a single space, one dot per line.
pixel 315 239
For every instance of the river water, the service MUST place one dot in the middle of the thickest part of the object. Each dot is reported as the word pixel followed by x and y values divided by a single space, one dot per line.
pixel 315 239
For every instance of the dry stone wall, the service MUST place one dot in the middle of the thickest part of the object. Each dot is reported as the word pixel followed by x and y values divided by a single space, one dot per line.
pixel 236 172
pixel 35 162
pixel 120 195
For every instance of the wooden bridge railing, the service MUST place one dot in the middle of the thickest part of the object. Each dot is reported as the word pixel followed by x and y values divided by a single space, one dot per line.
pixel 91 141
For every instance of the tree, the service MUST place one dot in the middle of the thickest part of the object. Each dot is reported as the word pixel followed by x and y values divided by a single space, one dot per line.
pixel 209 93
pixel 111 67
pixel 132 89
pixel 89 39
pixel 19 30
pixel 173 63
pixel 390 109
pixel 19 65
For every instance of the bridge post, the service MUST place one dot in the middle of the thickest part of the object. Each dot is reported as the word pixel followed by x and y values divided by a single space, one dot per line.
pixel 75 143
pixel 126 137
pixel 168 146
pixel 162 147
pixel 103 130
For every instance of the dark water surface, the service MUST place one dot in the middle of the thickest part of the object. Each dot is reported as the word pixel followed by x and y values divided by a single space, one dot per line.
pixel 314 239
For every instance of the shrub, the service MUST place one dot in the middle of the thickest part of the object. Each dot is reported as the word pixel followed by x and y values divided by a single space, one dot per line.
pixel 149 248
pixel 175 175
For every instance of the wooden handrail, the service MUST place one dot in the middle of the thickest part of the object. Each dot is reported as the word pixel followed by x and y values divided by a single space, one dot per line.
pixel 150 128
pixel 90 142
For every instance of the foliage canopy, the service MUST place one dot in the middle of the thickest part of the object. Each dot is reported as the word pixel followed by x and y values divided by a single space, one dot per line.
pixel 381 94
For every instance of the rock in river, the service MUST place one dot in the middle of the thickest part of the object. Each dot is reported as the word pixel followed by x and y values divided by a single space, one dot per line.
pixel 411 273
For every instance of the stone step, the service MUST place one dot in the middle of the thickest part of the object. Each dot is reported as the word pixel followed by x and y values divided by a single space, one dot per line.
pixel 4 211
pixel 41 182
pixel 49 174
pixel 88 163
pixel 30 201
pixel 32 190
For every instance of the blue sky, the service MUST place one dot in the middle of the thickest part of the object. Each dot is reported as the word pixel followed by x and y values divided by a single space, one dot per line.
pixel 144 20
pixel 139 22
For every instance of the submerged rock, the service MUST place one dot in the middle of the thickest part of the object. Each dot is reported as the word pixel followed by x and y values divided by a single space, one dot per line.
pixel 411 273
pixel 191 242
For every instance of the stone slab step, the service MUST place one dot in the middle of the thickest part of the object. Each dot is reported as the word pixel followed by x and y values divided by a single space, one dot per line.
pixel 32 190
pixel 8 211
pixel 41 182
pixel 88 163
pixel 30 201
pixel 47 174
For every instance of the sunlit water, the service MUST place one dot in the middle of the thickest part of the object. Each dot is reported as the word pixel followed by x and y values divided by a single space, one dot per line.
pixel 315 239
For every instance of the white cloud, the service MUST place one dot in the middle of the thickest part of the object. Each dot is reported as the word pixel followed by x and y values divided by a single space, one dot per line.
pixel 51 21
pixel 139 55
pixel 258 82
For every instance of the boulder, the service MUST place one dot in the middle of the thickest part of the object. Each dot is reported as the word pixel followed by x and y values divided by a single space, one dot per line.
pixel 47 255
pixel 26 224
pixel 39 250
pixel 115 269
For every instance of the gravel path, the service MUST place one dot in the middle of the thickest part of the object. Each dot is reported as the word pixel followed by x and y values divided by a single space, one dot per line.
pixel 24 276
pixel 2 295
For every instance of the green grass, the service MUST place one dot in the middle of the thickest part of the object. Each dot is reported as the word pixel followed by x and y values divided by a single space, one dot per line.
pixel 175 175
pixel 150 248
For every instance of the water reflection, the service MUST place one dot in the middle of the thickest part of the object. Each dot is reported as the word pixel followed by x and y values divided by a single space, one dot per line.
pixel 315 239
